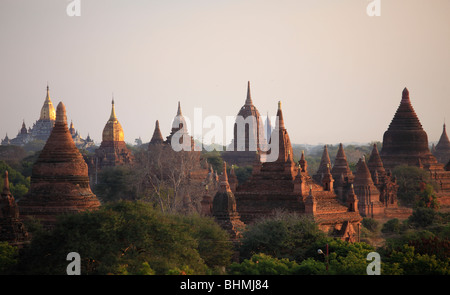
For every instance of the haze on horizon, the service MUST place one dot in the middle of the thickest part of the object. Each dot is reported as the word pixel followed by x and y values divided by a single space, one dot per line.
pixel 338 72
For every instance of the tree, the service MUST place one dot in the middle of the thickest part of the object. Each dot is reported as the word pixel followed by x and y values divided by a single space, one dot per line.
pixel 19 185
pixel 422 217
pixel 407 261
pixel 126 238
pixel 392 226
pixel 8 257
pixel 410 181
pixel 115 183
pixel 427 197
pixel 284 235
pixel 163 176
pixel 263 264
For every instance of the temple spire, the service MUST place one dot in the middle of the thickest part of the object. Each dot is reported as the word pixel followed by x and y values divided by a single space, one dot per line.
pixel 61 116
pixel 405 95
pixel 47 110
pixel 157 136
pixel 179 113
pixel 224 184
pixel 248 100
pixel 280 120
pixel 113 111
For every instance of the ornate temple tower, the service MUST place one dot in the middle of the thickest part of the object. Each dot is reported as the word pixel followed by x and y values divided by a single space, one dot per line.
pixel 179 127
pixel 113 150
pixel 12 229
pixel 342 174
pixel 286 185
pixel 382 179
pixel 43 127
pixel 224 208
pixel 442 149
pixel 248 134
pixel 59 180
pixel 368 195
pixel 324 163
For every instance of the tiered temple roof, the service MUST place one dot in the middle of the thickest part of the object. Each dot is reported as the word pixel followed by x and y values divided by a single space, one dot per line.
pixel 405 141
pixel 59 181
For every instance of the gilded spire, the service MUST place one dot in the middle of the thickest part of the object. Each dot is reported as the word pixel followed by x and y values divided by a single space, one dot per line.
pixel 113 130
pixel 113 111
pixel 248 100
pixel 47 110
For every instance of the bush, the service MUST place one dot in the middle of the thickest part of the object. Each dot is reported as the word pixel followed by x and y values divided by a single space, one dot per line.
pixel 422 217
pixel 392 226
pixel 283 235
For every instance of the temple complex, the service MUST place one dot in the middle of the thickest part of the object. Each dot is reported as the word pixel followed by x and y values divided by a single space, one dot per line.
pixel 113 150
pixel 59 180
pixel 406 143
pixel 43 127
pixel 248 135
pixel 286 185
pixel 12 230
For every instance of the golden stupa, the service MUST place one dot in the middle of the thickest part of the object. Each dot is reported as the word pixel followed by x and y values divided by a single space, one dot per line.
pixel 48 111
pixel 113 130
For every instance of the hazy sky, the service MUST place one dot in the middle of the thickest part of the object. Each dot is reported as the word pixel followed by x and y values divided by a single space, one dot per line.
pixel 338 72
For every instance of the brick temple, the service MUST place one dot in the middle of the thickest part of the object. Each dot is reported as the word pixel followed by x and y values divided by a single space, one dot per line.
pixel 12 229
pixel 406 143
pixel 59 180
pixel 248 138
pixel 286 185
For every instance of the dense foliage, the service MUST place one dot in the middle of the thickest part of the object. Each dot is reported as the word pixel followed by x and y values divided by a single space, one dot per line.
pixel 129 238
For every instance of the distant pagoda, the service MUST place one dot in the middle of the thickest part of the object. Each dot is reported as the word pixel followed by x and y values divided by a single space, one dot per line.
pixel 42 128
pixel 442 149
pixel 249 139
pixel 113 150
